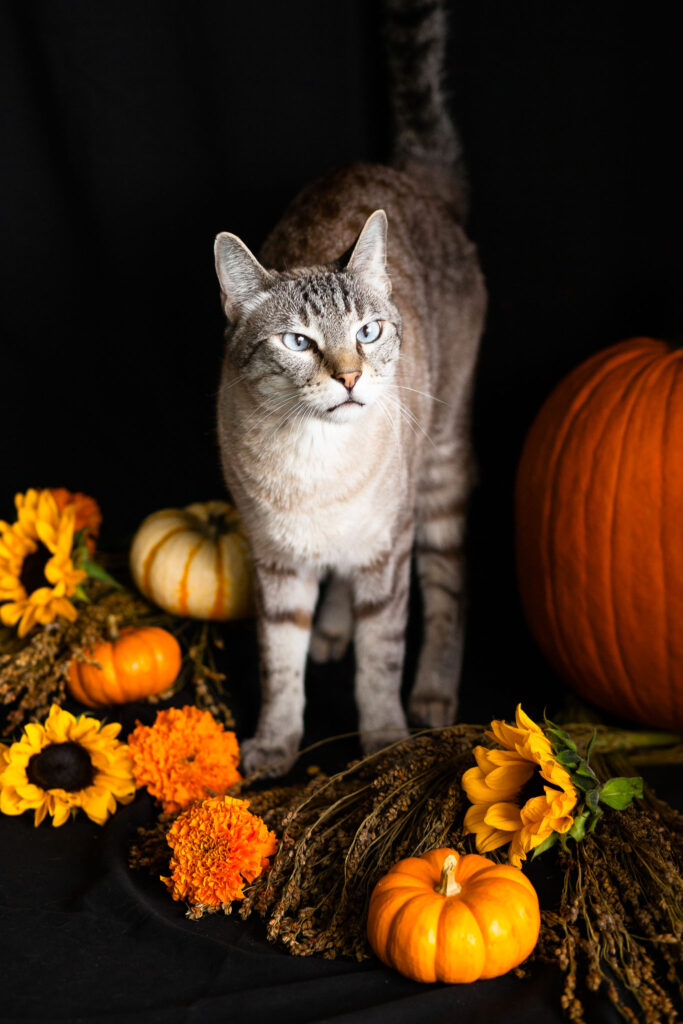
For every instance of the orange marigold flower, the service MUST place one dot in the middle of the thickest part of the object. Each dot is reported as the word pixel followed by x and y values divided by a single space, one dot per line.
pixel 185 756
pixel 88 513
pixel 218 846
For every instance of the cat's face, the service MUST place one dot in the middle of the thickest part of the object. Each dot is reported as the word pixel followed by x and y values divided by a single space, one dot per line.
pixel 316 342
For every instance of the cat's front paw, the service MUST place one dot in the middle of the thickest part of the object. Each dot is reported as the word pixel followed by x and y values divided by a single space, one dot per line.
pixel 431 712
pixel 269 758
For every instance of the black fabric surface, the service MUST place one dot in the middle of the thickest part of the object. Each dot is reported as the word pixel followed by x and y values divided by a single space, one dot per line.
pixel 85 938
pixel 107 943
pixel 135 130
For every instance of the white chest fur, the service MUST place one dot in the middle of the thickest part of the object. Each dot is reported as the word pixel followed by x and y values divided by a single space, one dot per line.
pixel 327 495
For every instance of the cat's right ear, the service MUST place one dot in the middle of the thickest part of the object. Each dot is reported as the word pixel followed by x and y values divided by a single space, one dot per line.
pixel 241 275
pixel 369 256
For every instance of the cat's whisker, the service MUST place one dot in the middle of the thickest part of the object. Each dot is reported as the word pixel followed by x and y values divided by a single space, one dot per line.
pixel 306 417
pixel 401 412
pixel 224 388
pixel 297 422
pixel 268 409
pixel 270 404
pixel 404 387
pixel 259 417
pixel 298 405
pixel 392 423
pixel 411 419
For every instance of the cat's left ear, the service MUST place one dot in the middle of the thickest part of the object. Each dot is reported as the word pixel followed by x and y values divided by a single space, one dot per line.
pixel 369 256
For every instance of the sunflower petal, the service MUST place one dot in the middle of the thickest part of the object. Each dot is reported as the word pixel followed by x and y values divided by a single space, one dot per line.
pixel 474 818
pixel 510 778
pixel 504 816
pixel 506 734
pixel 10 614
pixel 504 757
pixel 516 853
pixel 61 814
pixel 98 803
pixel 39 814
pixel 490 838
pixel 524 722
pixel 111 730
pixel 28 620
pixel 474 784
pixel 58 724
pixel 14 775
pixel 482 756
pixel 10 801
pixel 34 735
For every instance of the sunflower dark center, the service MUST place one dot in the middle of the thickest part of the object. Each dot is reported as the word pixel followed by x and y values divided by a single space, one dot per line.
pixel 534 787
pixel 61 766
pixel 32 574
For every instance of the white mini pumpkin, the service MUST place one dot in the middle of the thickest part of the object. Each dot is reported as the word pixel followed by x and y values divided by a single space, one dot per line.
pixel 194 561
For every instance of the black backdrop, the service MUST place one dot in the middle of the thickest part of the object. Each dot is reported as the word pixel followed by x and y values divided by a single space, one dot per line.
pixel 134 130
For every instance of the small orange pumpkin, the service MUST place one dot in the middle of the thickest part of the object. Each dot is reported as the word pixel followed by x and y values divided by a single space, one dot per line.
pixel 443 917
pixel 139 662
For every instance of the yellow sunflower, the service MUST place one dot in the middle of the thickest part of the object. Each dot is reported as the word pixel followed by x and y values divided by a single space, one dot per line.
pixel 64 764
pixel 502 812
pixel 37 574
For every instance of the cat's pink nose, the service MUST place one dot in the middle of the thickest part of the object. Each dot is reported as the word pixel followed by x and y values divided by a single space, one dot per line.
pixel 347 377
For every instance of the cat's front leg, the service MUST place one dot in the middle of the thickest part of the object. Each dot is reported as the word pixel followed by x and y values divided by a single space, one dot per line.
pixel 380 607
pixel 286 601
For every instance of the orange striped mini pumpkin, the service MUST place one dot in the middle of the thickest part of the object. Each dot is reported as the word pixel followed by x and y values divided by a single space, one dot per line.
pixel 194 561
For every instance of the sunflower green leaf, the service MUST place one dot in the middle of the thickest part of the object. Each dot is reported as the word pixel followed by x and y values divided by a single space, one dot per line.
pixel 618 793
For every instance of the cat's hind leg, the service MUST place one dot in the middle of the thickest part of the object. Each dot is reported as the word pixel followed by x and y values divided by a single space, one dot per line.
pixel 333 627
pixel 440 512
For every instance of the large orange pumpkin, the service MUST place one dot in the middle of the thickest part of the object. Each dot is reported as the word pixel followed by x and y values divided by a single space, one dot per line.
pixel 599 520
pixel 443 917
pixel 137 663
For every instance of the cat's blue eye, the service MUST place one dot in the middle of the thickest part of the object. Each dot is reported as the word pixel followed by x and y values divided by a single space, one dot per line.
pixel 369 332
pixel 296 342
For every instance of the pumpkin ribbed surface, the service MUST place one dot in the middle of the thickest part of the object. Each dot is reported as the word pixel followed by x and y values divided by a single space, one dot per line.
pixel 599 513
pixel 194 561
pixel 488 926
pixel 138 663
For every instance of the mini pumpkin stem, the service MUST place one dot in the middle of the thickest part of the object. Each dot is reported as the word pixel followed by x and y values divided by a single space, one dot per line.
pixel 448 886
pixel 113 627
pixel 219 524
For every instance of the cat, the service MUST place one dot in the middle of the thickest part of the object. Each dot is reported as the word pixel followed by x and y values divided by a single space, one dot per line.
pixel 344 412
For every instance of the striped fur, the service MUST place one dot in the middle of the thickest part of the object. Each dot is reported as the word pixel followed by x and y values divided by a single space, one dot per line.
pixel 426 144
pixel 342 495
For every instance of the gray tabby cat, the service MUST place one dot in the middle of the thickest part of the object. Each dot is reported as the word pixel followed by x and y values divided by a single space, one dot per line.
pixel 343 413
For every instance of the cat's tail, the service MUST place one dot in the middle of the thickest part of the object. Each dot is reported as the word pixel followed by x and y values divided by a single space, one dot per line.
pixel 426 143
